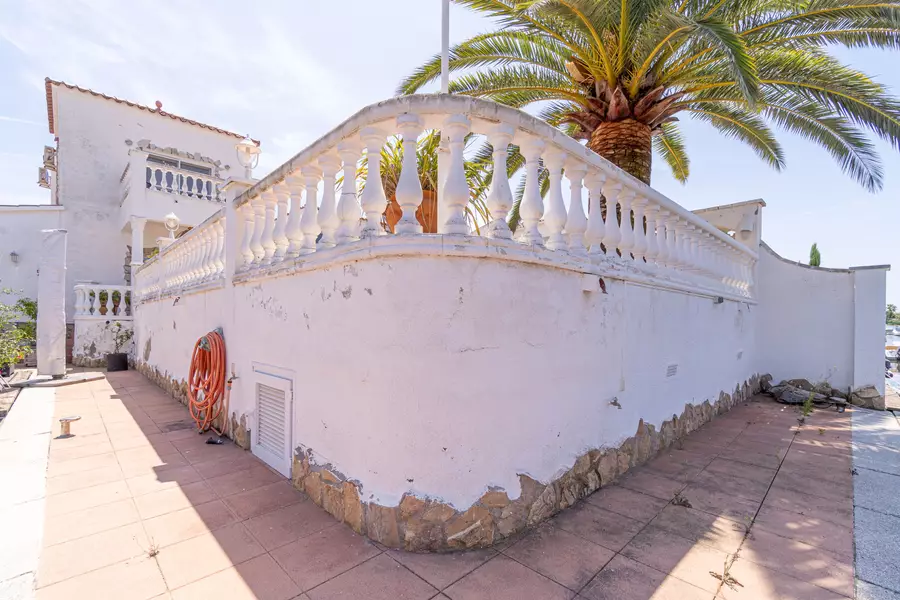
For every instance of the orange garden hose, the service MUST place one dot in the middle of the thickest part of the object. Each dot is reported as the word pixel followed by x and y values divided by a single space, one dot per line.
pixel 207 380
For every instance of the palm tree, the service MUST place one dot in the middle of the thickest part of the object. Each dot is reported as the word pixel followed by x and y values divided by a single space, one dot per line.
pixel 427 158
pixel 616 74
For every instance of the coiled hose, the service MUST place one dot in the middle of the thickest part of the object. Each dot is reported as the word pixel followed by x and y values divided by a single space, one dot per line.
pixel 207 380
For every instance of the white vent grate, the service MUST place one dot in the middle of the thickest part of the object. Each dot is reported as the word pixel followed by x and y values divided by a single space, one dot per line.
pixel 671 370
pixel 271 406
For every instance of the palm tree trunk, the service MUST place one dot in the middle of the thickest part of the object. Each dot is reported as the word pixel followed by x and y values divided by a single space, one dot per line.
pixel 626 144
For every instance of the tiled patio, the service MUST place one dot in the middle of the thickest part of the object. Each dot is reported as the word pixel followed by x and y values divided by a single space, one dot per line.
pixel 138 506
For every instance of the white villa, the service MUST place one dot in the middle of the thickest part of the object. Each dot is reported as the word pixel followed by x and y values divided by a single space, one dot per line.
pixel 432 391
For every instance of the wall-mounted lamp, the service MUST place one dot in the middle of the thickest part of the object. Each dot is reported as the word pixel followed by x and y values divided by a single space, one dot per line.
pixel 719 300
pixel 171 221
pixel 14 257
pixel 248 155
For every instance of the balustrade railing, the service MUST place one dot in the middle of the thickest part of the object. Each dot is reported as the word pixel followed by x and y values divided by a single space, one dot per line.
pixel 172 180
pixel 102 301
pixel 611 221
pixel 196 258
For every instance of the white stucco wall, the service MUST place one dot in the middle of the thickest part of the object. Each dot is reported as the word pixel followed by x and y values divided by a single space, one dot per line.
pixel 20 232
pixel 869 293
pixel 95 338
pixel 92 156
pixel 444 376
pixel 821 324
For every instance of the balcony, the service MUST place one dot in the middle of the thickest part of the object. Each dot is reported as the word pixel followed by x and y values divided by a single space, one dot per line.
pixel 154 184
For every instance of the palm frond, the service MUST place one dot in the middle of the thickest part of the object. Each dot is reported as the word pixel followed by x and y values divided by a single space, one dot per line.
pixel 669 144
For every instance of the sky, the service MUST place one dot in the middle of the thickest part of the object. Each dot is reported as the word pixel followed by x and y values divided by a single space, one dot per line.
pixel 288 72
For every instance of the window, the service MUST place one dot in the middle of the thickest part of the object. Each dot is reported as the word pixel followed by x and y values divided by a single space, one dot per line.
pixel 178 164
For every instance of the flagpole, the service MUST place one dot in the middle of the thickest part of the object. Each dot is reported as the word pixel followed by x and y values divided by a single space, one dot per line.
pixel 445 46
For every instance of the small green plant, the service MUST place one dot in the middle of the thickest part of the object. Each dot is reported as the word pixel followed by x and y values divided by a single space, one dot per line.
pixel 121 335
pixel 807 408
pixel 15 339
pixel 821 431
pixel 815 258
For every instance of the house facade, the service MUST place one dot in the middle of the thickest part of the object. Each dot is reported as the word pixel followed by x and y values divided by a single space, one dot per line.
pixel 116 170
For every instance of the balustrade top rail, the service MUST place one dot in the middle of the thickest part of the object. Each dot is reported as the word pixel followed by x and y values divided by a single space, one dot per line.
pixel 629 227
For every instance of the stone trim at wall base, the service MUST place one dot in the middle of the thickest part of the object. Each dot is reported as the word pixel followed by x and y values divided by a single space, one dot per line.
pixel 426 525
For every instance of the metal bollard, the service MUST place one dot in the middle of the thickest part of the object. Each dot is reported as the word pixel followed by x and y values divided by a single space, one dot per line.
pixel 65 424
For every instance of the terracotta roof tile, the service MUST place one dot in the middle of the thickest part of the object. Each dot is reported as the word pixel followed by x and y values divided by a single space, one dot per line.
pixel 51 82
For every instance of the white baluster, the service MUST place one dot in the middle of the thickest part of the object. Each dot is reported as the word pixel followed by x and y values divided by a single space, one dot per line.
pixel 294 185
pixel 409 186
pixel 627 232
pixel 328 218
pixel 107 304
pixel 373 200
pixel 596 230
pixel 79 301
pixel 456 188
pixel 259 223
pixel 268 241
pixel 220 248
pixel 639 249
pixel 500 198
pixel 280 235
pixel 309 222
pixel 203 243
pixel 652 237
pixel 672 243
pixel 555 215
pixel 612 234
pixel 246 211
pixel 348 205
pixel 531 208
pixel 576 223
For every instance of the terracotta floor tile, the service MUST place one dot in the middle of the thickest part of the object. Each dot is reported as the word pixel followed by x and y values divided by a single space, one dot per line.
pixel 259 578
pixel 700 448
pixel 680 557
pixel 197 451
pixel 187 523
pixel 814 531
pixel 610 530
pixel 314 559
pixel 69 502
pixel 755 473
pixel 673 466
pixel 800 561
pixel 194 559
pixel 733 485
pixel 760 583
pixel 264 499
pixel 710 499
pixel 441 570
pixel 769 461
pixel 563 557
pixel 85 479
pixel 504 579
pixel 126 441
pixel 166 501
pixel 840 512
pixel 810 483
pixel 242 481
pixel 134 579
pixel 89 521
pixel 79 556
pixel 77 441
pixel 232 463
pixel 623 501
pixel 625 579
pixel 143 461
pixel 79 465
pixel 643 480
pixel 285 525
pixel 61 452
pixel 380 578
pixel 163 480
pixel 713 530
